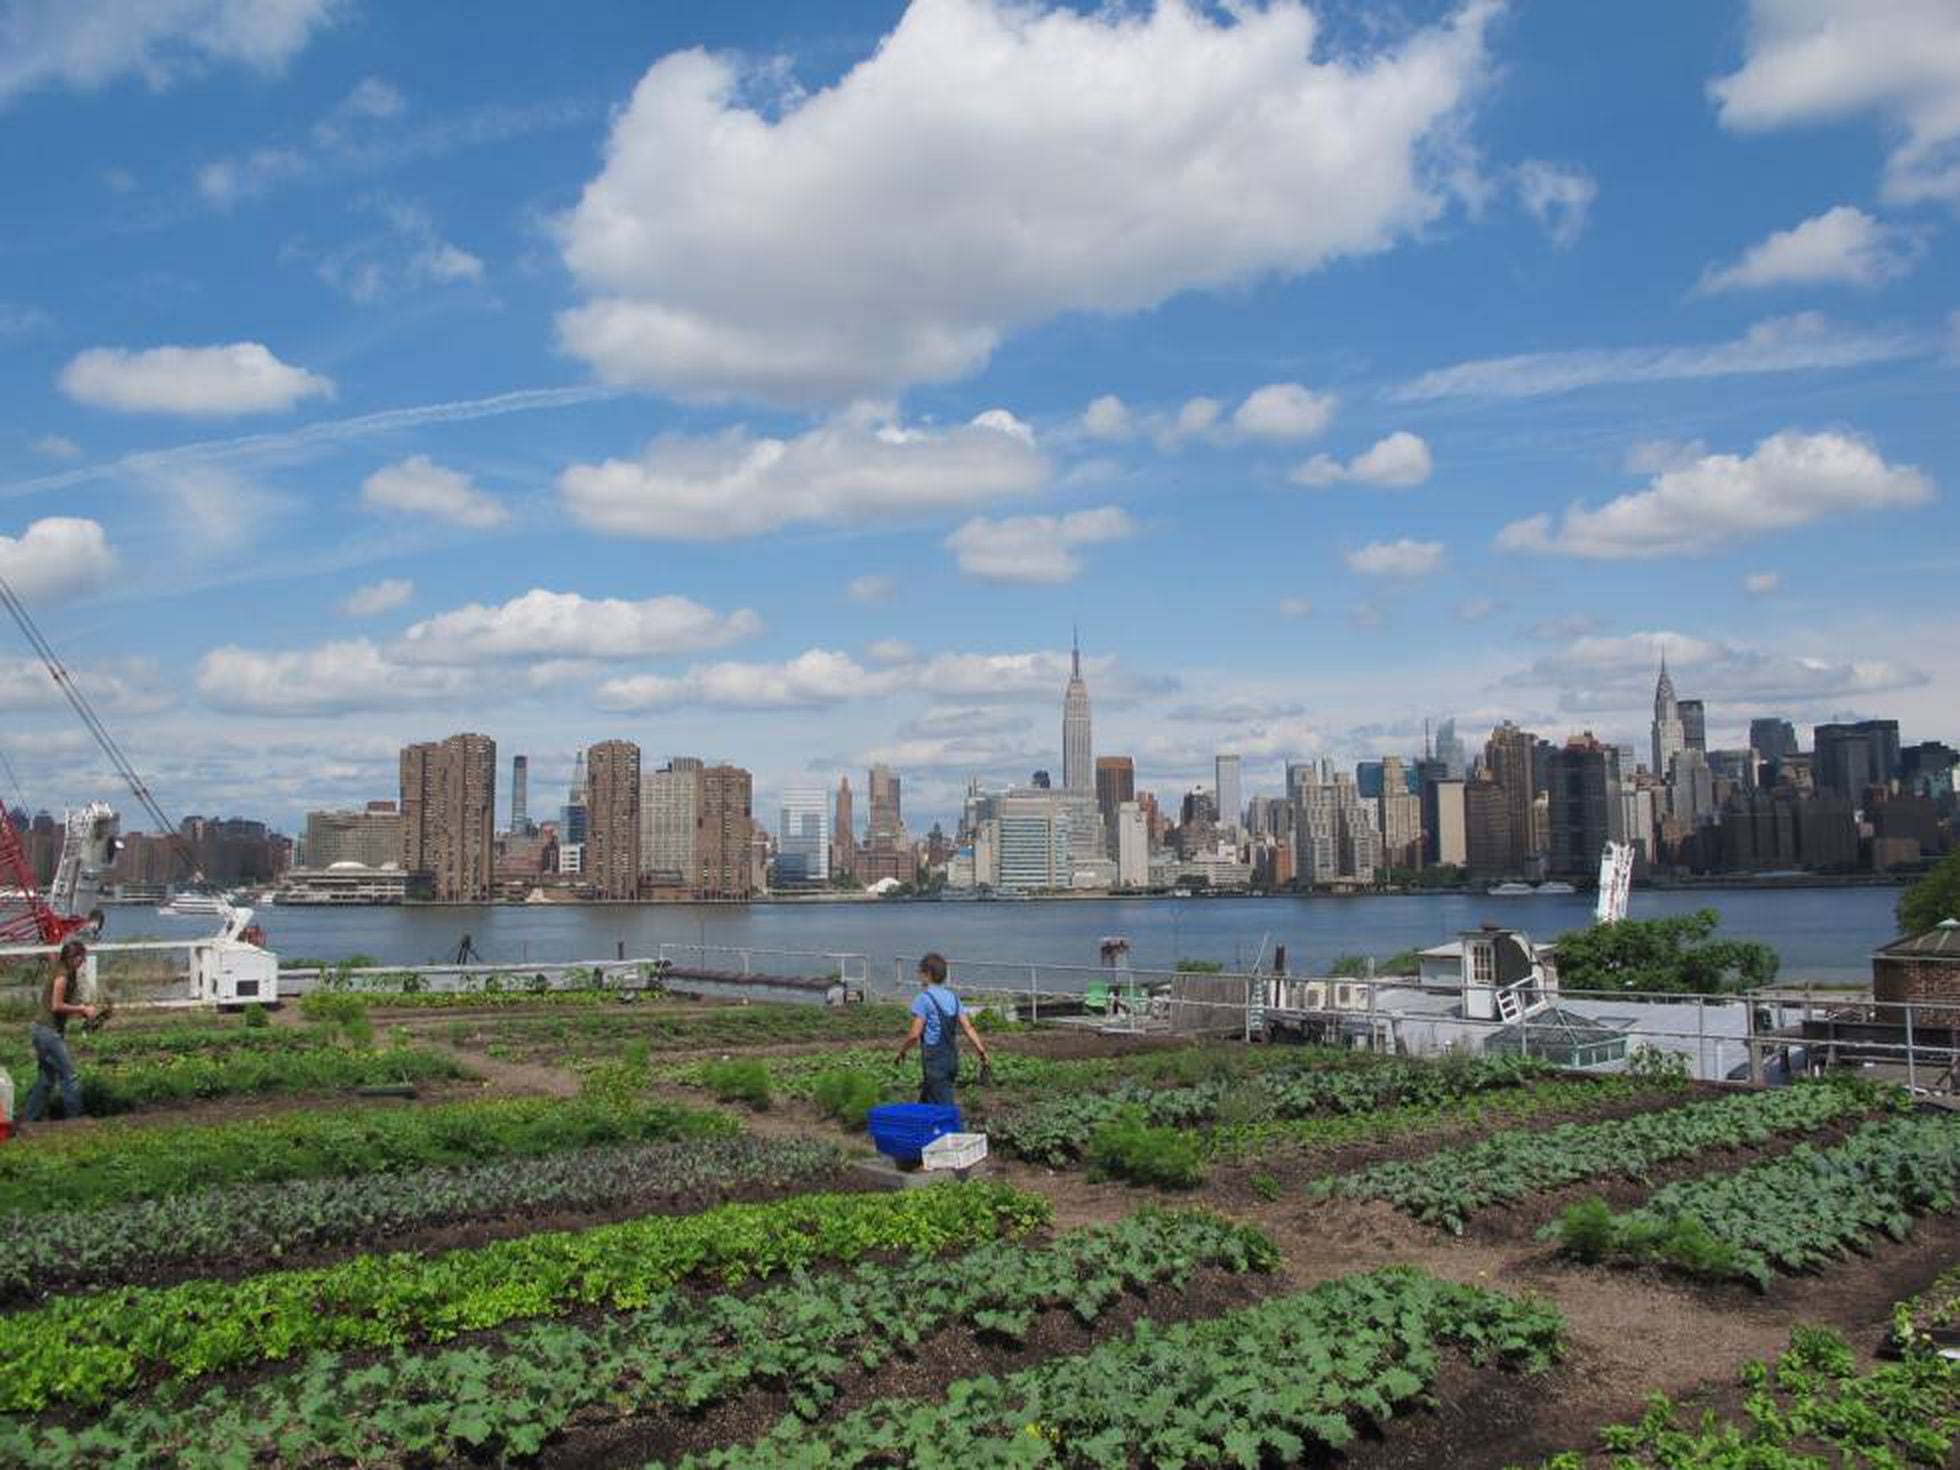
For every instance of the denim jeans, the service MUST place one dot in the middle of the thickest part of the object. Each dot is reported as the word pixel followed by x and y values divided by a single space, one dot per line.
pixel 57 1070
pixel 939 1070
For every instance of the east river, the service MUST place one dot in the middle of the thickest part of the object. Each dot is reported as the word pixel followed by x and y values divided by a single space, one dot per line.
pixel 1822 934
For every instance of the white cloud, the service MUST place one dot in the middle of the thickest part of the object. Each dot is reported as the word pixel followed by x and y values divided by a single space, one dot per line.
pixel 1295 607
pixel 225 181
pixel 87 43
pixel 1787 344
pixel 1789 479
pixel 1617 673
pixel 1842 246
pixel 333 678
pixel 1035 548
pixel 1395 463
pixel 1559 197
pixel 544 624
pixel 1036 675
pixel 1107 418
pixel 56 446
pixel 421 486
pixel 889 230
pixel 1812 61
pixel 940 721
pixel 1403 558
pixel 812 679
pixel 56 558
pixel 213 382
pixel 891 651
pixel 846 472
pixel 1283 411
pixel 1651 456
pixel 128 686
pixel 373 99
pixel 1761 584
pixel 872 588
pixel 378 597
pixel 406 253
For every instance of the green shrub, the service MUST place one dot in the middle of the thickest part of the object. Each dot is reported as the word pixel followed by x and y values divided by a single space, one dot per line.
pixel 256 1017
pixel 743 1082
pixel 847 1095
pixel 1585 1230
pixel 1127 1147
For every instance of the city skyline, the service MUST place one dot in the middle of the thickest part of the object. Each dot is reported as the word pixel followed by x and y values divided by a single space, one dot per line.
pixel 337 421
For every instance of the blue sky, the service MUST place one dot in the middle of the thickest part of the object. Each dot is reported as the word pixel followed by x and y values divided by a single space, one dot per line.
pixel 780 383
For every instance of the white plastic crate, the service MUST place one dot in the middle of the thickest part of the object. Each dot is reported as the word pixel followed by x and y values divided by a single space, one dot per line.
pixel 955 1151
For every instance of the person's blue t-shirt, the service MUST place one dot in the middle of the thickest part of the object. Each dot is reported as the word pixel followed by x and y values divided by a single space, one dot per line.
pixel 938 1007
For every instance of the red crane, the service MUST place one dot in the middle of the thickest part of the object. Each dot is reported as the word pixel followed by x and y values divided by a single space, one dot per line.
pixel 26 917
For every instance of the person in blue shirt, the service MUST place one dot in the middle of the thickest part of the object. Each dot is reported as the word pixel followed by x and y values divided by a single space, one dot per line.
pixel 937 1019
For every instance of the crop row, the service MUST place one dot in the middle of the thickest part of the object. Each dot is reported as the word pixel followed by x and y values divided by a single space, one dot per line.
pixel 1266 1384
pixel 197 1233
pixel 243 1072
pixel 1445 1188
pixel 119 1044
pixel 1799 1210
pixel 502 1401
pixel 85 1349
pixel 1809 1409
pixel 114 1162
pixel 1057 1130
pixel 1931 1319
pixel 663 1029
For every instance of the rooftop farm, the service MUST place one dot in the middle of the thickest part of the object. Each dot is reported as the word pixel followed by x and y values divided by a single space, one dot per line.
pixel 405 1230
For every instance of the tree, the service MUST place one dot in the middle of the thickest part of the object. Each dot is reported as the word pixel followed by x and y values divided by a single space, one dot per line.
pixel 1933 898
pixel 1677 955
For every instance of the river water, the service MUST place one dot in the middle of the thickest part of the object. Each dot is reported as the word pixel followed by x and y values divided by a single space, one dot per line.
pixel 1822 934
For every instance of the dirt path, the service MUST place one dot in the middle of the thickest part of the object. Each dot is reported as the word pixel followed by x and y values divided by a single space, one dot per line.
pixel 503 1078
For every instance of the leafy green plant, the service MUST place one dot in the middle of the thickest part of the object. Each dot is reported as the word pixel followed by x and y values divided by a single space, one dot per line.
pixel 848 1095
pixel 738 1081
pixel 1128 1147
pixel 257 1017
pixel 84 1350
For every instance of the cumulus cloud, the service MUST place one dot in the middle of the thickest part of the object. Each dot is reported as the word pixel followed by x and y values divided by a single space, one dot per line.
pixel 407 252
pixel 420 486
pixel 1787 344
pixel 378 597
pixel 1035 548
pixel 57 558
pixel 1283 411
pixel 543 624
pixel 88 43
pixel 1559 197
pixel 1812 61
pixel 1841 246
pixel 225 181
pixel 872 588
pixel 1395 463
pixel 1761 584
pixel 128 686
pixel 890 651
pixel 1598 673
pixel 199 382
pixel 333 678
pixel 1403 558
pixel 1789 479
pixel 888 230
pixel 1107 418
pixel 845 472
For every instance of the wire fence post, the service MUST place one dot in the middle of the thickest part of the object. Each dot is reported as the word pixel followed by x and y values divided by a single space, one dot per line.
pixel 1034 996
pixel 1701 1038
pixel 1912 1064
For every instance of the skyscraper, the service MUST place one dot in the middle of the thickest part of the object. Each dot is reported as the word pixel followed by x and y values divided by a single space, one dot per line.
pixel 843 833
pixel 1694 724
pixel 887 853
pixel 803 836
pixel 572 828
pixel 1669 738
pixel 1848 758
pixel 448 806
pixel 1449 749
pixel 1584 805
pixel 612 842
pixel 1509 758
pixel 1231 802
pixel 520 785
pixel 1078 762
pixel 670 809
pixel 1772 738
pixel 1399 817
pixel 1116 783
pixel 724 833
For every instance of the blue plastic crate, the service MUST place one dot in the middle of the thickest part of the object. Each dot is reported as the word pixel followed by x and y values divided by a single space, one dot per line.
pixel 902 1130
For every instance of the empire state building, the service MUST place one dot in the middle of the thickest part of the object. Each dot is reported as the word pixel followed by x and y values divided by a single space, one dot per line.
pixel 1078 760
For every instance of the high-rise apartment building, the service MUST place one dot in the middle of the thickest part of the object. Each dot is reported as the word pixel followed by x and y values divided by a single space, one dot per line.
pixel 670 814
pixel 1691 789
pixel 1583 805
pixel 725 833
pixel 1694 723
pixel 1489 844
pixel 612 843
pixel 1231 800
pixel 843 833
pixel 1335 834
pixel 1132 846
pixel 1078 759
pixel 1445 834
pixel 448 813
pixel 1116 783
pixel 1509 756
pixel 520 794
pixel 803 836
pixel 1399 817
pixel 1669 739
pixel 372 838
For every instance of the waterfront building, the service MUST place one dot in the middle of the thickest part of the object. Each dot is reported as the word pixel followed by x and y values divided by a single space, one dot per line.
pixel 1583 806
pixel 843 833
pixel 1398 817
pixel 725 834
pixel 572 820
pixel 1032 842
pixel 1226 794
pixel 352 883
pixel 1132 846
pixel 1638 813
pixel 1445 837
pixel 1668 738
pixel 1848 758
pixel 612 843
pixel 1336 839
pixel 803 842
pixel 1694 723
pixel 1509 755
pixel 1116 783
pixel 448 813
pixel 1078 758
pixel 371 838
pixel 520 794
pixel 887 853
pixel 670 813
pixel 1488 844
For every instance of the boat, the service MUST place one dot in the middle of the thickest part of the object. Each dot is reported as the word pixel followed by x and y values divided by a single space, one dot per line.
pixel 1511 890
pixel 1556 886
pixel 196 905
